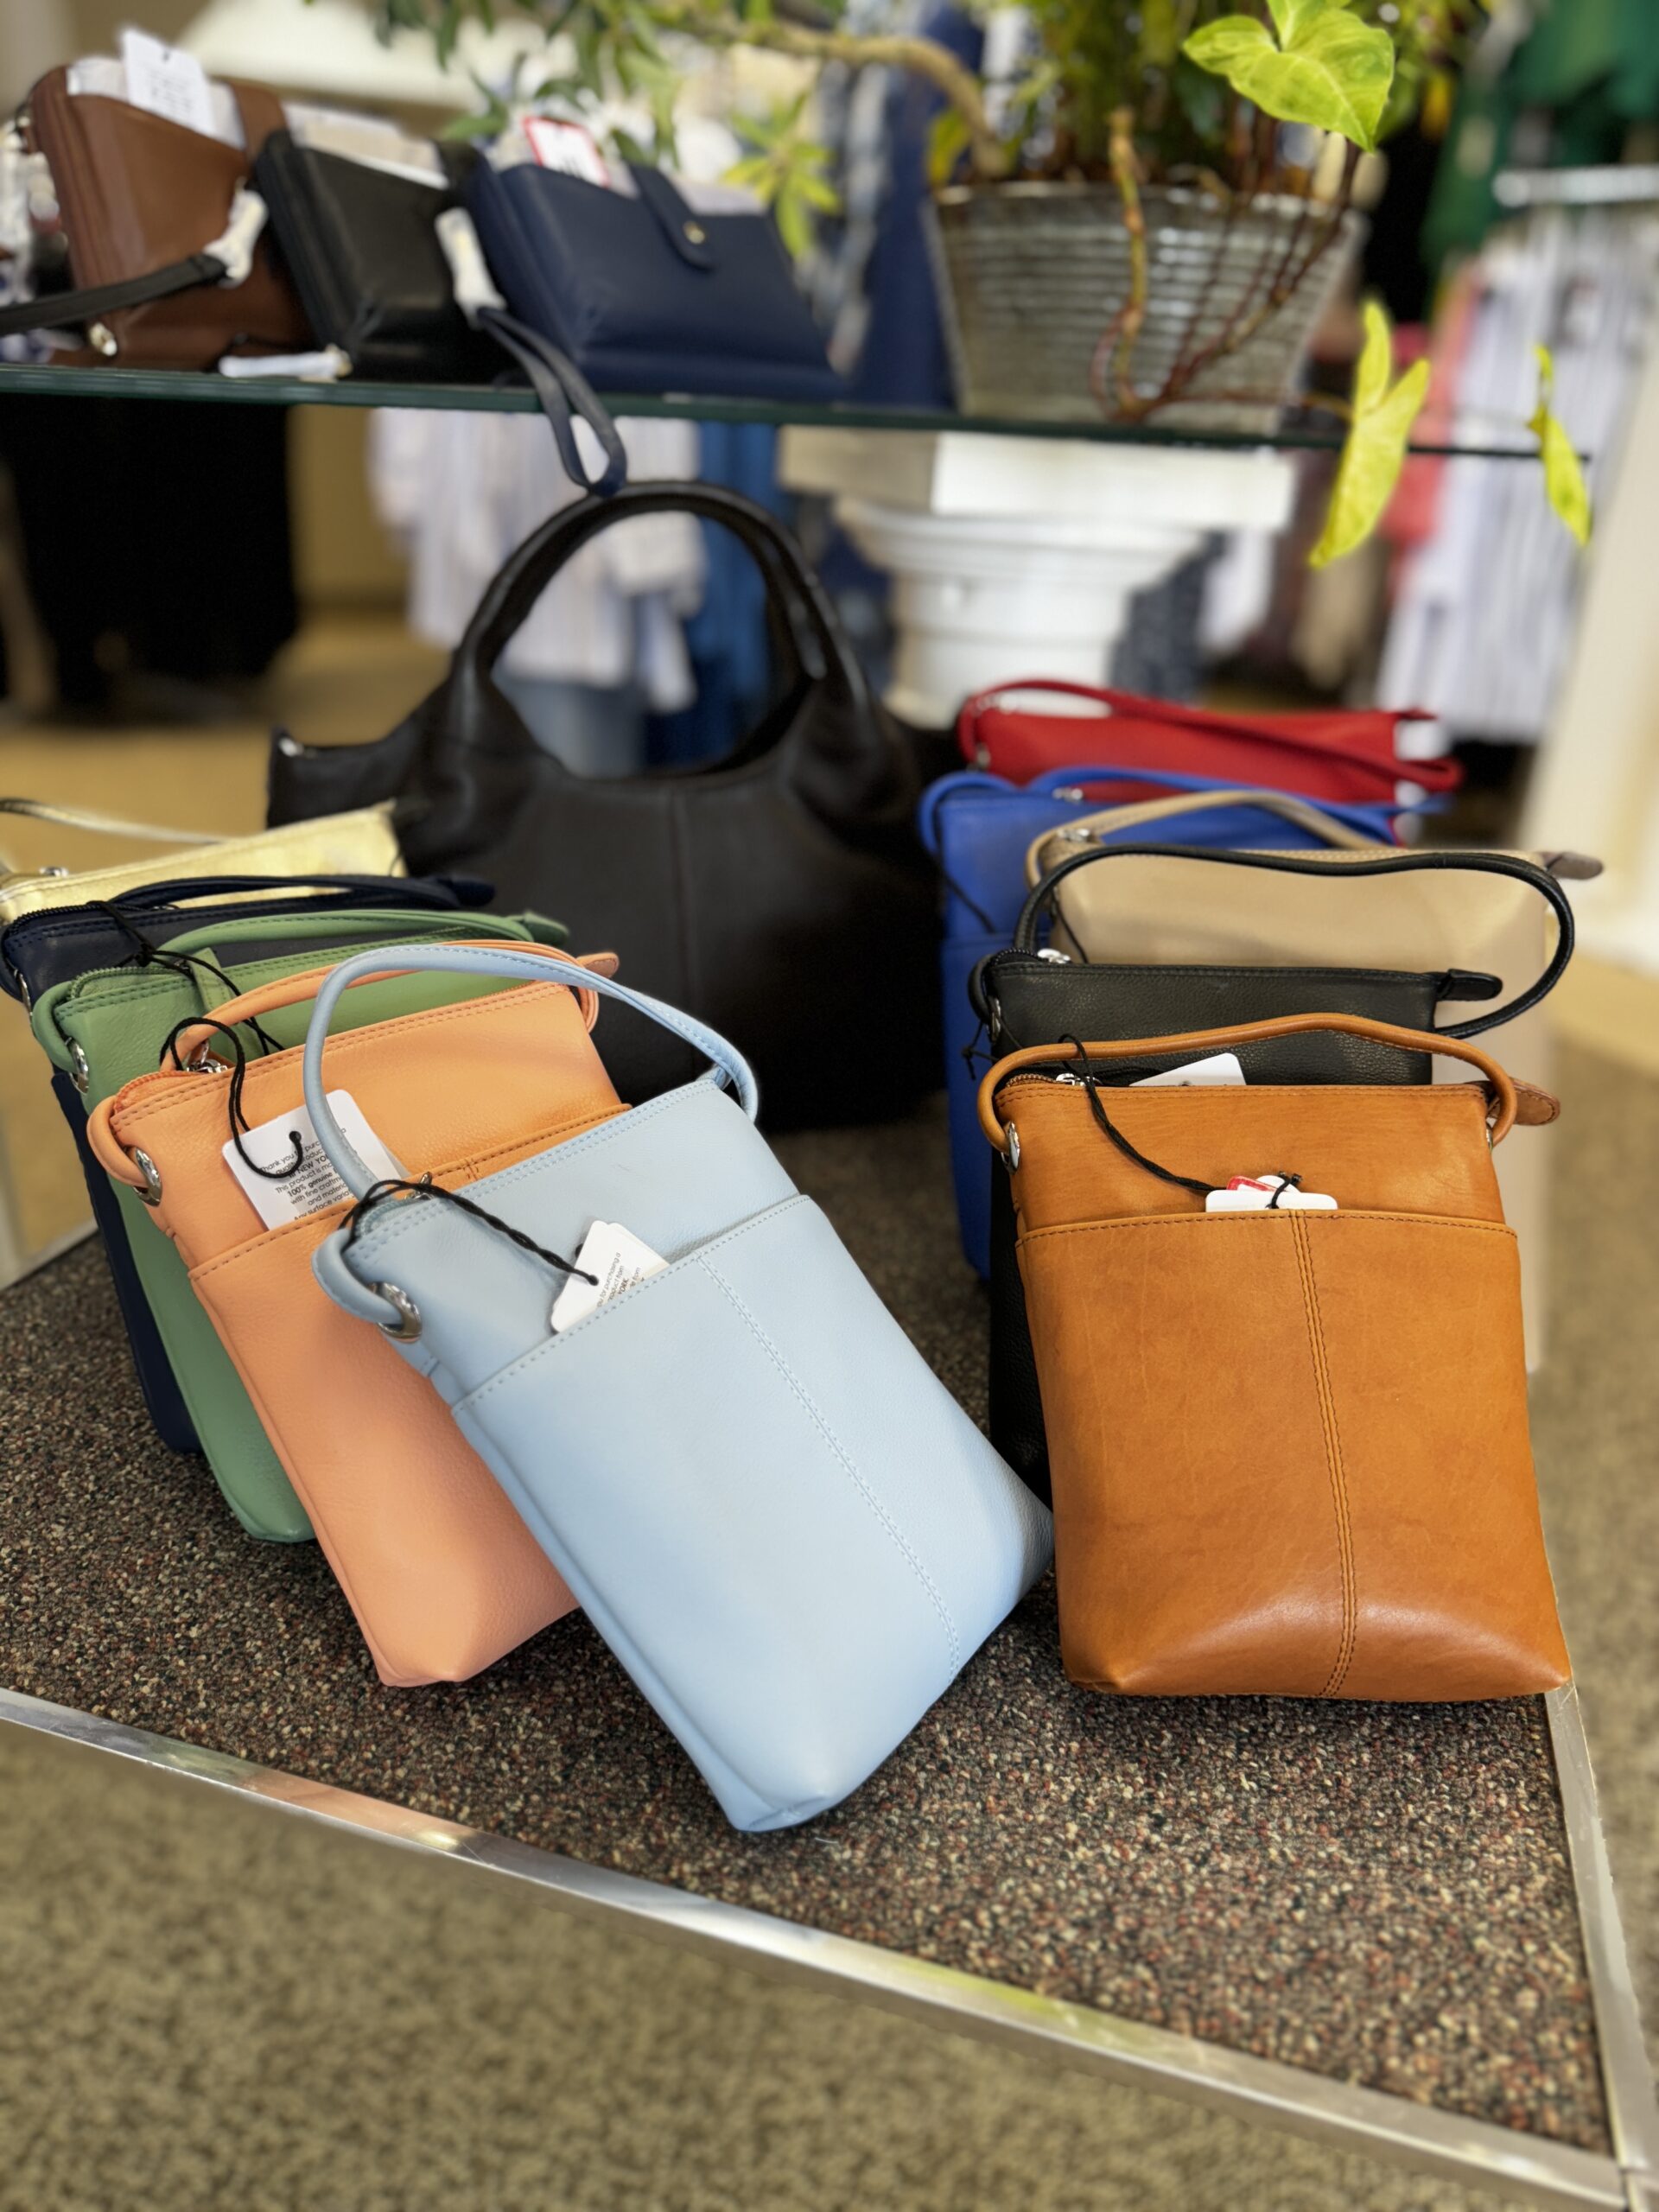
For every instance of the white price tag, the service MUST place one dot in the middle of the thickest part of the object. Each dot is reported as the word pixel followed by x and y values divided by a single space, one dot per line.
pixel 618 1258
pixel 568 147
pixel 165 80
pixel 1266 1194
pixel 1220 1067
pixel 314 1184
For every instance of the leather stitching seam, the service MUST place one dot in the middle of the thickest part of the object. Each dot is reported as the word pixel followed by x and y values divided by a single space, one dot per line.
pixel 1332 1454
pixel 1244 1220
pixel 810 1406
pixel 565 1338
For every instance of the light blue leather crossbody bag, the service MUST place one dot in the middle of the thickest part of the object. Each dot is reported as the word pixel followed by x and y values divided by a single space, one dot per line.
pixel 787 1530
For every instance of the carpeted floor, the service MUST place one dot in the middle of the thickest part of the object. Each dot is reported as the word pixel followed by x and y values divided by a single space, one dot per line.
pixel 212 2008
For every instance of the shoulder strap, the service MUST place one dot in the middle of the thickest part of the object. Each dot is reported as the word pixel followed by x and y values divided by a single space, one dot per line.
pixel 75 310
pixel 525 964
pixel 1094 828
pixel 563 393
pixel 102 825
pixel 1500 1084
pixel 225 260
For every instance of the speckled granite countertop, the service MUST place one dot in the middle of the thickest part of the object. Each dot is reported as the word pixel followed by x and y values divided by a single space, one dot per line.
pixel 1379 1893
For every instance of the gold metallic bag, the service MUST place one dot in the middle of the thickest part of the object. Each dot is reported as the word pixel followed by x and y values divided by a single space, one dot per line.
pixel 363 843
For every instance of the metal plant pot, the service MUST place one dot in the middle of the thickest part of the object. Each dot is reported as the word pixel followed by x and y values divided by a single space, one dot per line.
pixel 1030 276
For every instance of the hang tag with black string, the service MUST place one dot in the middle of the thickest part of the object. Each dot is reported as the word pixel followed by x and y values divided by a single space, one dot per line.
pixel 313 1185
pixel 612 1260
pixel 1268 1194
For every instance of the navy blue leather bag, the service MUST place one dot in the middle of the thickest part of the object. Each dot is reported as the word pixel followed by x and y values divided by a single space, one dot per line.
pixel 644 294
pixel 58 943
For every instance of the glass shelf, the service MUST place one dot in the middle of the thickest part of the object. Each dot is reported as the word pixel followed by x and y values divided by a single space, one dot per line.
pixel 1503 442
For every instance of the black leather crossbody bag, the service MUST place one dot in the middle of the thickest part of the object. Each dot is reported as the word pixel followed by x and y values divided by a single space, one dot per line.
pixel 359 243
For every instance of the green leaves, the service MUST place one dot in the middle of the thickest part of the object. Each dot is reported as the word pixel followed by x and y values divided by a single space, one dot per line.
pixel 1375 450
pixel 1563 478
pixel 1324 67
pixel 786 170
pixel 947 142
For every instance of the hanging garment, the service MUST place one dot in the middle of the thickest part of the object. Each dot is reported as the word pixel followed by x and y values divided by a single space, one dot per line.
pixel 461 490
pixel 1488 604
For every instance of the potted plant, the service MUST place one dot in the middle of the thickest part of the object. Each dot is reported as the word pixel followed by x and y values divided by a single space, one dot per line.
pixel 1144 223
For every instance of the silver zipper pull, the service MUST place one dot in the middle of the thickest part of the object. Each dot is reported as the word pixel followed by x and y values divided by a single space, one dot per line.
pixel 1055 959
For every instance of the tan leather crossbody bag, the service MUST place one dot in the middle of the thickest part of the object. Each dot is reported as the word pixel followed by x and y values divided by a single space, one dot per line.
pixel 1289 1448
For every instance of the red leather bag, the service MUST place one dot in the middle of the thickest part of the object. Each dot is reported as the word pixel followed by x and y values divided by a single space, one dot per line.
pixel 1332 753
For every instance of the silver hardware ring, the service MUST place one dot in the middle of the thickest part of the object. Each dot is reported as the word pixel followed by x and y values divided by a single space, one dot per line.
pixel 152 1175
pixel 407 1327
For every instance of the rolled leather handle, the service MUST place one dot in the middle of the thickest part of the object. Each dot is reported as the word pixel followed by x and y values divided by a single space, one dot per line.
pixel 1195 1043
pixel 526 963
pixel 1284 805
pixel 372 967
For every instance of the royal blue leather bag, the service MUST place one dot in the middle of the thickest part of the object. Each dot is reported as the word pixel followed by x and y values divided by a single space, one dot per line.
pixel 979 827
pixel 644 294
pixel 783 1525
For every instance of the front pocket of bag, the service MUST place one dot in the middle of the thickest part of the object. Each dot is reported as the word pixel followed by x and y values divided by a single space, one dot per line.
pixel 1289 1456
pixel 723 1463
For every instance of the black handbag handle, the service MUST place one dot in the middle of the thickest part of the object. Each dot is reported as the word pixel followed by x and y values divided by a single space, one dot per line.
pixel 1506 864
pixel 793 591
pixel 66 310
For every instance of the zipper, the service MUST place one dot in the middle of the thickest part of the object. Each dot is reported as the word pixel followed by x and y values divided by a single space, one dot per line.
pixel 1042 1075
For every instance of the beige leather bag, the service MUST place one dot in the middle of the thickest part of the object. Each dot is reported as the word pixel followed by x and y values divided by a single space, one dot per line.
pixel 362 844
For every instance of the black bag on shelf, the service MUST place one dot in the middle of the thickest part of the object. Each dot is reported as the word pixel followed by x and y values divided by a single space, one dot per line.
pixel 780 894
pixel 358 240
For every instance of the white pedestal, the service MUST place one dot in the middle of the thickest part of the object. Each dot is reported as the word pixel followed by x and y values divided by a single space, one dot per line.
pixel 1019 556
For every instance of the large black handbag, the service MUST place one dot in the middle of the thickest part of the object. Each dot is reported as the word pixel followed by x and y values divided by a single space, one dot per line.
pixel 780 894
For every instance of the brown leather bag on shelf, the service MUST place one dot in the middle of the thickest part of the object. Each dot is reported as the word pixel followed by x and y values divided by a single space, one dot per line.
pixel 1289 1447
pixel 143 201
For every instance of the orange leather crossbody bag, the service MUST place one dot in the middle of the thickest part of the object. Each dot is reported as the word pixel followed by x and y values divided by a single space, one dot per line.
pixel 441 1574
pixel 1289 1448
